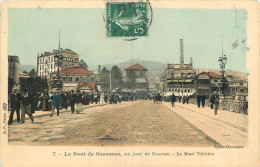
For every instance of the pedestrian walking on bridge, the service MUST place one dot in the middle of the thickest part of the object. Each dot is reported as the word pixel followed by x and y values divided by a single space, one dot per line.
pixel 102 98
pixel 26 105
pixel 211 100
pixel 216 102
pixel 173 99
pixel 187 99
pixel 198 99
pixel 15 99
pixel 55 102
pixel 183 99
pixel 72 100
pixel 203 98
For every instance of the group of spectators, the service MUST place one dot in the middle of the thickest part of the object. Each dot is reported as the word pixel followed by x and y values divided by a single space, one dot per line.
pixel 181 99
pixel 200 98
pixel 29 102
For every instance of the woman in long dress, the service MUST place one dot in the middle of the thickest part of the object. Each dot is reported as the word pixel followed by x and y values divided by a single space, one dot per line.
pixel 102 98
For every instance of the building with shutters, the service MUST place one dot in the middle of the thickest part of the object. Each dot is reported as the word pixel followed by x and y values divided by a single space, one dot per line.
pixel 138 75
pixel 207 82
pixel 179 78
pixel 72 76
pixel 46 63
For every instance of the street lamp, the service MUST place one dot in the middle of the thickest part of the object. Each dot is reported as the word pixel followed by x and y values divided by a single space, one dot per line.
pixel 57 83
pixel 223 85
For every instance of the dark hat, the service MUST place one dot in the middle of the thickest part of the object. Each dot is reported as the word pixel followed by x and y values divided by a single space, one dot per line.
pixel 26 89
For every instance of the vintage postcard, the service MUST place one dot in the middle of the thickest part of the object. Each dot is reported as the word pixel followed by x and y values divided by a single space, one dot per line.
pixel 129 83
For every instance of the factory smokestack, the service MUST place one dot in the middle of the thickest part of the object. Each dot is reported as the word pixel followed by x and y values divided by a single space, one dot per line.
pixel 191 62
pixel 181 52
pixel 99 69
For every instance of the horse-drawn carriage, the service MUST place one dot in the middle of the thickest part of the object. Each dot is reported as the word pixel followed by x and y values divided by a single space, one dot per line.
pixel 157 98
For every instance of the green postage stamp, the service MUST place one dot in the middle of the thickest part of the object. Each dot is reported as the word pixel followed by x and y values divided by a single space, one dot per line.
pixel 128 19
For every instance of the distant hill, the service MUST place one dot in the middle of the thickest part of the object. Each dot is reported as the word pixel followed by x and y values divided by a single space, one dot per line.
pixel 27 68
pixel 152 66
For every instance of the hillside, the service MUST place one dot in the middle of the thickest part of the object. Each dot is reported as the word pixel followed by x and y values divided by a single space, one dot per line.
pixel 152 66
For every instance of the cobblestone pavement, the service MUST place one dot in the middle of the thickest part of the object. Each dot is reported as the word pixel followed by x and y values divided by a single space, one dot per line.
pixel 126 124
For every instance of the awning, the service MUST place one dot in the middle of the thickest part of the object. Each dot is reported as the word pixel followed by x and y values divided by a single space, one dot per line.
pixel 175 80
pixel 167 94
pixel 180 80
pixel 184 94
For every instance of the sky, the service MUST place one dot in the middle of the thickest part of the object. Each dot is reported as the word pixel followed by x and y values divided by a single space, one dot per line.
pixel 33 31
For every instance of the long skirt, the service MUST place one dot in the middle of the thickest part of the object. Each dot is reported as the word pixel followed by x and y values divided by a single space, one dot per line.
pixel 79 107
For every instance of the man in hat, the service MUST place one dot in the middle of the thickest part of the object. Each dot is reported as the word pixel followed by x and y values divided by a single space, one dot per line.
pixel 64 97
pixel 15 99
pixel 198 99
pixel 173 99
pixel 216 102
pixel 78 101
pixel 55 102
pixel 203 99
pixel 72 100
pixel 45 103
pixel 26 105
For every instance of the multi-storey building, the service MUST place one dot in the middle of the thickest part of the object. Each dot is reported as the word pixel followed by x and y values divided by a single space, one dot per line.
pixel 72 76
pixel 13 68
pixel 138 76
pixel 207 82
pixel 46 62
pixel 179 78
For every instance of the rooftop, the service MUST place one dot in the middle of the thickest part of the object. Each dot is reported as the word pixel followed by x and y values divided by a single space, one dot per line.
pixel 67 51
pixel 136 67
pixel 76 70
pixel 211 74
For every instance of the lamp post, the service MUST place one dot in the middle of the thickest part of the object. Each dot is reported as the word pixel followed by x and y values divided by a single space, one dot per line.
pixel 223 85
pixel 57 83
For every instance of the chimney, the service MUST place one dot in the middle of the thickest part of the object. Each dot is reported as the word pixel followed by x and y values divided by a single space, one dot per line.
pixel 191 62
pixel 181 52
pixel 99 69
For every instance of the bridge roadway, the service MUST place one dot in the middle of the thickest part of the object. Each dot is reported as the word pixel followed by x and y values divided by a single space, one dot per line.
pixel 138 123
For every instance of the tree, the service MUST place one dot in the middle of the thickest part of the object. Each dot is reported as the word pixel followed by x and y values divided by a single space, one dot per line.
pixel 116 77
pixel 104 78
pixel 25 72
pixel 35 84
pixel 32 73
pixel 83 64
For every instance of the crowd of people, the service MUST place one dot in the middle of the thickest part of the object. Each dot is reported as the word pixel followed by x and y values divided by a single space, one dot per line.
pixel 200 98
pixel 29 102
